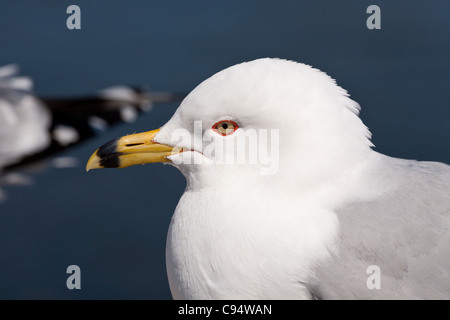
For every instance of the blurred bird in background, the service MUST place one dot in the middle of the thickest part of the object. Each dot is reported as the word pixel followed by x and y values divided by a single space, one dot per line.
pixel 33 128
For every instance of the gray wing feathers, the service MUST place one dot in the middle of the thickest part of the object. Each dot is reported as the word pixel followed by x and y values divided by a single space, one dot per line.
pixel 406 232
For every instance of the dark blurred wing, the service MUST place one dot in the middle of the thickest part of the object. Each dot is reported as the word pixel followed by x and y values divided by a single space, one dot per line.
pixel 73 120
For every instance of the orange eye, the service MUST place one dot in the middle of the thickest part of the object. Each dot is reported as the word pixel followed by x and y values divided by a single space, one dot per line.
pixel 225 127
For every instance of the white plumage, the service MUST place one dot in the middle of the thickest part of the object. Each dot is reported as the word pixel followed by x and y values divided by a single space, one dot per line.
pixel 24 120
pixel 315 226
pixel 334 208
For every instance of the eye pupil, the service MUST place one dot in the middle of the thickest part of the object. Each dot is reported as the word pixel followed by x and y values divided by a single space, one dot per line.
pixel 225 126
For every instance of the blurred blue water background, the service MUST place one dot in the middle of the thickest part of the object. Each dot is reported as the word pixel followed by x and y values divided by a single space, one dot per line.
pixel 113 223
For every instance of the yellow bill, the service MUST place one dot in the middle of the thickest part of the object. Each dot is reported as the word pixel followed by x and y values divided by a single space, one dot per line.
pixel 129 150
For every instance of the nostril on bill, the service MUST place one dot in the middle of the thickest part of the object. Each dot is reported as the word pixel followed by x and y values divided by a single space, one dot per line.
pixel 133 144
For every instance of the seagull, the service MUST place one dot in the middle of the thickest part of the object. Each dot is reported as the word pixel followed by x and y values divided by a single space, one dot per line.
pixel 332 219
pixel 33 127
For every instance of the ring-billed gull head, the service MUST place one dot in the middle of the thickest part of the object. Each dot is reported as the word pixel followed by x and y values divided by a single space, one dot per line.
pixel 297 113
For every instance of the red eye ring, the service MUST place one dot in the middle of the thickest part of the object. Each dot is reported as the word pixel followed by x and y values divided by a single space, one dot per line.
pixel 225 127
